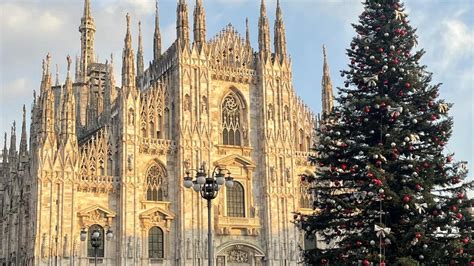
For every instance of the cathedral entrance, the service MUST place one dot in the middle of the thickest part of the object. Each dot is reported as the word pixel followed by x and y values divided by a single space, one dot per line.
pixel 239 254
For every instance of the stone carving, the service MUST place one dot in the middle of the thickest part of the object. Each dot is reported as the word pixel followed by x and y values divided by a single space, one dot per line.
pixel 130 248
pixel 44 247
pixel 96 216
pixel 74 248
pixel 292 250
pixel 187 103
pixel 188 248
pixel 139 249
pixel 204 107
pixel 276 250
pixel 238 256
pixel 66 247
pixel 272 173
pixel 130 162
pixel 288 175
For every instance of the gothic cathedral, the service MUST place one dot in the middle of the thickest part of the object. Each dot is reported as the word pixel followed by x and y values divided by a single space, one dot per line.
pixel 113 158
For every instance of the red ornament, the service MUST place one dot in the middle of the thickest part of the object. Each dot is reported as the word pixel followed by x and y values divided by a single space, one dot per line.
pixel 344 166
pixel 459 215
pixel 395 61
pixel 449 159
pixel 366 262
pixel 418 235
pixel 460 195
pixel 418 187
pixel 407 85
pixel 426 165
pixel 406 198
pixel 367 109
pixel 380 50
pixel 378 163
pixel 431 104
pixel 435 213
pixel 382 263
pixel 324 261
pixel 370 175
pixel 454 208
pixel 433 117
pixel 466 240
pixel 358 243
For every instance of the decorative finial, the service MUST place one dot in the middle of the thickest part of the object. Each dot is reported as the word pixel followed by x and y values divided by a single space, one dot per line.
pixel 24 112
pixel 14 127
pixel 69 62
pixel 324 50
pixel 48 62
pixel 57 75
pixel 128 21
pixel 44 67
pixel 111 58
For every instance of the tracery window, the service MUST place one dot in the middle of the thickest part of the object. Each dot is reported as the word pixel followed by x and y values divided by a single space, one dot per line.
pixel 236 201
pixel 90 248
pixel 155 179
pixel 155 243
pixel 232 120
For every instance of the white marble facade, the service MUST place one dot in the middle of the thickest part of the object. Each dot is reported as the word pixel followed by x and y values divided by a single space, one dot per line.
pixel 103 156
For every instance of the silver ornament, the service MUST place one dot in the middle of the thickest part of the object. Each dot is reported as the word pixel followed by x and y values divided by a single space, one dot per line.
pixel 414 121
pixel 372 57
pixel 392 47
pixel 372 242
pixel 393 144
pixel 386 34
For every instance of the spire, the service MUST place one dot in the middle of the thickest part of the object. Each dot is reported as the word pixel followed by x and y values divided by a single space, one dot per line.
pixel 13 143
pixel 5 155
pixel 157 36
pixel 182 23
pixel 263 32
pixel 87 30
pixel 199 24
pixel 68 108
pixel 128 64
pixel 140 64
pixel 327 93
pixel 247 32
pixel 280 34
pixel 107 91
pixel 23 141
pixel 47 100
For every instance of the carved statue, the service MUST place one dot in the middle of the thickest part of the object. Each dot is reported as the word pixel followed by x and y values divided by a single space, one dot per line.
pixel 272 173
pixel 188 248
pixel 288 175
pixel 129 248
pixel 276 251
pixel 66 247
pixel 138 249
pixel 130 162
pixel 74 248
pixel 44 246
pixel 203 105
pixel 292 250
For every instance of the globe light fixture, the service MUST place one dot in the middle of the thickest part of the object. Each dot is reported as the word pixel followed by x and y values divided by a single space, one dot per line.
pixel 207 184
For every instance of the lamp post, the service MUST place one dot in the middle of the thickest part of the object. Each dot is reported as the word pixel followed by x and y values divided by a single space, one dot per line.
pixel 96 239
pixel 208 185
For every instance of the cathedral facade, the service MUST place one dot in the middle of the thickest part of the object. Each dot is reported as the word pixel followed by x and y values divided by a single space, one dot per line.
pixel 113 158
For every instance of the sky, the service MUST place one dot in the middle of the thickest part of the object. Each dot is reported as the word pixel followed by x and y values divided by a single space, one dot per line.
pixel 29 29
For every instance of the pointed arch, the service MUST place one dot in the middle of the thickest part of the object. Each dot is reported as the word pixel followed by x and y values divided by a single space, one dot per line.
pixel 233 118
pixel 156 182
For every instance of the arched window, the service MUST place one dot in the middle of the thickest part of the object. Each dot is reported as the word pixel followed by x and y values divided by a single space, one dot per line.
pixel 110 167
pixel 235 201
pixel 90 248
pixel 155 243
pixel 232 120
pixel 154 180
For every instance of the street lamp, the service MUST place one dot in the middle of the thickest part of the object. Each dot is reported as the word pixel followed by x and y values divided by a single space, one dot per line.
pixel 96 239
pixel 208 185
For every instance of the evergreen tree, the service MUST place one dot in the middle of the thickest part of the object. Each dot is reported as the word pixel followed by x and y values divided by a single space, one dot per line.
pixel 385 193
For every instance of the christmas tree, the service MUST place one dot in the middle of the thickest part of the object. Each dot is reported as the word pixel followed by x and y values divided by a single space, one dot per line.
pixel 385 193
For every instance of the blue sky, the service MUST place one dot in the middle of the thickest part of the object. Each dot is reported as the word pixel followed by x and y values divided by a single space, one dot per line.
pixel 31 28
